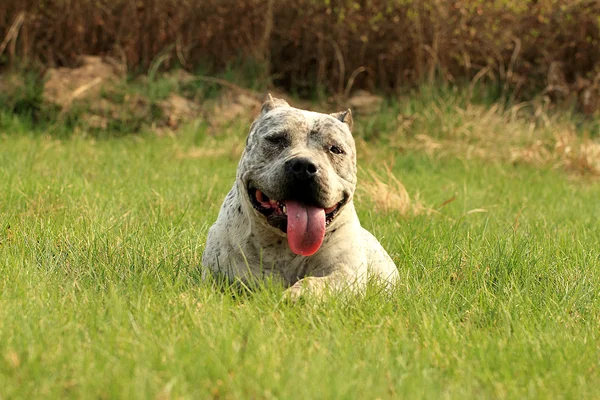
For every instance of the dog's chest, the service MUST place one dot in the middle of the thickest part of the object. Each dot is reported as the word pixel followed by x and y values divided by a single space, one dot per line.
pixel 278 261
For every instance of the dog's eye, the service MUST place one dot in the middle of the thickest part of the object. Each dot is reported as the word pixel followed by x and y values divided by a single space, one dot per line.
pixel 278 140
pixel 336 150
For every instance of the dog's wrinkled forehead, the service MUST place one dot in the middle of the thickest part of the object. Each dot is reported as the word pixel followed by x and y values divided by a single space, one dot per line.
pixel 277 116
pixel 296 122
pixel 286 119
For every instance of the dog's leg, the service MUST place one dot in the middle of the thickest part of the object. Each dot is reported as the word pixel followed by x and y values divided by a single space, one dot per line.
pixel 322 286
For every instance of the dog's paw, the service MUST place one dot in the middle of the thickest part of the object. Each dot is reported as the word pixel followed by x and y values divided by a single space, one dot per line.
pixel 304 288
pixel 294 293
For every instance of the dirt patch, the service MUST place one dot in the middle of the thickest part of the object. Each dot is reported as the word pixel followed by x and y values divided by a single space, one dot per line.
pixel 96 93
pixel 132 111
pixel 65 85
pixel 96 90
pixel 177 109
pixel 230 108
pixel 181 76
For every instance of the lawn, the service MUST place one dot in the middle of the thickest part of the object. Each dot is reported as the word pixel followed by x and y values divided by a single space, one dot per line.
pixel 101 296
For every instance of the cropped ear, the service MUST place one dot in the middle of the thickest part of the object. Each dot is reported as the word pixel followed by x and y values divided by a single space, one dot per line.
pixel 345 117
pixel 272 103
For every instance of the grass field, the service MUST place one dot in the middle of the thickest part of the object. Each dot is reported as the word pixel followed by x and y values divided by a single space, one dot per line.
pixel 101 296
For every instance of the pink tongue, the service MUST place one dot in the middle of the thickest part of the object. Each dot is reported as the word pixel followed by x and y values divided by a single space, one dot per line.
pixel 305 228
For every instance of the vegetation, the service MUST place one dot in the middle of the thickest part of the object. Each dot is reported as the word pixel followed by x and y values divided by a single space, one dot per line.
pixel 523 47
pixel 483 191
pixel 101 240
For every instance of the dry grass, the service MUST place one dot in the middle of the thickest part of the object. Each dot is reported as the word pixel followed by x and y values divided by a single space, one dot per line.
pixel 525 133
pixel 523 46
pixel 386 193
pixel 575 154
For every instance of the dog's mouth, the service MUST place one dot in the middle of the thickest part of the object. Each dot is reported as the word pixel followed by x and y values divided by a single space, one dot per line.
pixel 277 208
pixel 304 224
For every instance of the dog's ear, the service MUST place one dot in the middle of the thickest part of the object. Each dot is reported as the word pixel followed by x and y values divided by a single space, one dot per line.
pixel 345 117
pixel 271 103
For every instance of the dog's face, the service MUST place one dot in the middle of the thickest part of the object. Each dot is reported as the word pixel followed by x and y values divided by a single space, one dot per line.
pixel 298 171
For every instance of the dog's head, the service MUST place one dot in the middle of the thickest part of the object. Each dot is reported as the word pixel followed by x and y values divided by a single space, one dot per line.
pixel 298 171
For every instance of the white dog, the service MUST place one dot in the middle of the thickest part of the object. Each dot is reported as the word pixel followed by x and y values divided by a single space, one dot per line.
pixel 290 214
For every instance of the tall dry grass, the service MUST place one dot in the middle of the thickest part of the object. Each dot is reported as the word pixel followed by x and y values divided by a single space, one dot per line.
pixel 525 46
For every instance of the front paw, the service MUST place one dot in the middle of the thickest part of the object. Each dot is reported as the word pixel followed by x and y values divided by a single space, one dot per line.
pixel 304 288
pixel 294 293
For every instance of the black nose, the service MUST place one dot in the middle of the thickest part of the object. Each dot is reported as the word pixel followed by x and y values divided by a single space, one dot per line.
pixel 301 168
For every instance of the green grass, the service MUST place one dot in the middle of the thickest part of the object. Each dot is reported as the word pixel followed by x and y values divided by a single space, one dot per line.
pixel 101 296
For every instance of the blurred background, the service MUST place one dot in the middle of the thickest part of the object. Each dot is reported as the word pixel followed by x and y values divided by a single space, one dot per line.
pixel 55 54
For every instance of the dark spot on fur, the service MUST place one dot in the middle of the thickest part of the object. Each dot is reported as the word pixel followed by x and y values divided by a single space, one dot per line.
pixel 279 241
pixel 240 209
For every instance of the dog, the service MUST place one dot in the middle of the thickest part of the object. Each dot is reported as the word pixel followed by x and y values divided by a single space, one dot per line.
pixel 290 214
